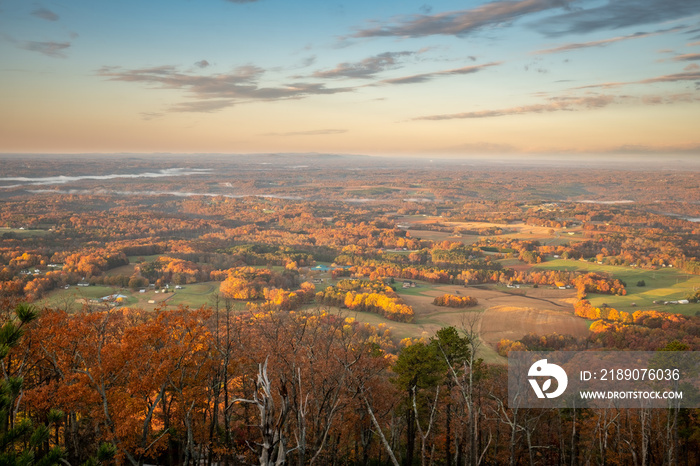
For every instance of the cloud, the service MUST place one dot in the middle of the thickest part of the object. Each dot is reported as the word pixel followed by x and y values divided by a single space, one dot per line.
pixel 687 57
pixel 556 104
pixel 423 77
pixel 462 22
pixel 46 14
pixel 216 91
pixel 568 103
pixel 202 106
pixel 690 74
pixel 603 42
pixel 308 61
pixel 151 115
pixel 669 99
pixel 50 49
pixel 202 64
pixel 616 14
pixel 691 44
pixel 366 68
pixel 672 78
pixel 316 132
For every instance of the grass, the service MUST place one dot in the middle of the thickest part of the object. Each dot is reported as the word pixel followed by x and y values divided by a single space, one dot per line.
pixel 18 232
pixel 372 191
pixel 417 291
pixel 660 285
pixel 424 328
pixel 195 295
pixel 510 262
pixel 135 259
pixel 67 298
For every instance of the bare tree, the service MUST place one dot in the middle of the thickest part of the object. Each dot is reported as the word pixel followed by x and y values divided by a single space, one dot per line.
pixel 273 450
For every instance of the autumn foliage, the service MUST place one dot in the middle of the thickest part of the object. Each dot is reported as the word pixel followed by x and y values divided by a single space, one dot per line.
pixel 367 296
pixel 450 300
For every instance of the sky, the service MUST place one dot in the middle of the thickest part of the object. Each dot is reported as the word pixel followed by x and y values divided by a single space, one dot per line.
pixel 438 79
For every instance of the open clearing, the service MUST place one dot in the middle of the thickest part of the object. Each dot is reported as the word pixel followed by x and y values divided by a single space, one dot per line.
pixel 518 230
pixel 666 284
pixel 22 232
pixel 502 312
pixel 194 295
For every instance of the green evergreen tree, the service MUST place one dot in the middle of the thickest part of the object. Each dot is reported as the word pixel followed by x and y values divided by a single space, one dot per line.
pixel 21 442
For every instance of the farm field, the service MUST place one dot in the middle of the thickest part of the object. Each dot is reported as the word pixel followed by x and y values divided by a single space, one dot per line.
pixel 196 295
pixel 22 232
pixel 499 314
pixel 519 230
pixel 666 284
pixel 75 297
pixel 193 295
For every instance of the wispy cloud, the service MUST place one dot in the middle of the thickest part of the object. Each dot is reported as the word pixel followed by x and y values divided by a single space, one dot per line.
pixel 603 42
pixel 670 98
pixel 423 77
pixel 556 104
pixel 45 13
pixel 315 132
pixel 462 22
pixel 367 68
pixel 151 115
pixel 202 106
pixel 672 78
pixel 616 15
pixel 690 74
pixel 216 91
pixel 50 49
pixel 202 64
pixel 687 57
pixel 308 61
pixel 570 104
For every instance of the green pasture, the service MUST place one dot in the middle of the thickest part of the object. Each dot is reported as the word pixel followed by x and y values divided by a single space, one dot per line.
pixel 666 284
pixel 135 259
pixel 67 298
pixel 19 232
pixel 420 288
pixel 510 262
pixel 375 191
pixel 196 295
